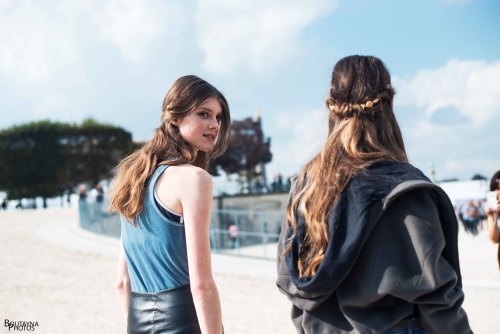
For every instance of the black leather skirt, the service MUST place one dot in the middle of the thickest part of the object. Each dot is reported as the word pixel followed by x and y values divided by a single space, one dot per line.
pixel 170 311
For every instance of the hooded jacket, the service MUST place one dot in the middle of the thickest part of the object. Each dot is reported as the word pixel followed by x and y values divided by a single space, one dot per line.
pixel 392 254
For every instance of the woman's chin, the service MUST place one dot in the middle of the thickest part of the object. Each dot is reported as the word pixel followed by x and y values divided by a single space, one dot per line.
pixel 204 149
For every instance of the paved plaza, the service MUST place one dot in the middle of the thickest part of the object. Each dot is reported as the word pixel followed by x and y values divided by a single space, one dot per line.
pixel 62 277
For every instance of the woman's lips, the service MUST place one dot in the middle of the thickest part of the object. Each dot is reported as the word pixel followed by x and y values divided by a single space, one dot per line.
pixel 210 137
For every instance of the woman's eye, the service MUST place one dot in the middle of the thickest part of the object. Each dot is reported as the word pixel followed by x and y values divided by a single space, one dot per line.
pixel 219 119
pixel 203 114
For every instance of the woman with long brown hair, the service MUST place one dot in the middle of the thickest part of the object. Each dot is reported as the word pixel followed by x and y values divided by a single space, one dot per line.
pixel 164 196
pixel 369 244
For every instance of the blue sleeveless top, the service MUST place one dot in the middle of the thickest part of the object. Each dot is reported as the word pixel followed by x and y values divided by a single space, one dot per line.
pixel 156 247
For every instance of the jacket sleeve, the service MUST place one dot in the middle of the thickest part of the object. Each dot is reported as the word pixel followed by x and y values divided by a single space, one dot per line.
pixel 433 283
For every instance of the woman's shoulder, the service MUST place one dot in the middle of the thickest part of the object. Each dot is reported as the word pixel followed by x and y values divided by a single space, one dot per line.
pixel 190 170
pixel 181 182
pixel 190 174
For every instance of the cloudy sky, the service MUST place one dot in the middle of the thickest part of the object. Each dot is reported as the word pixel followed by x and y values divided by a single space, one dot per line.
pixel 114 60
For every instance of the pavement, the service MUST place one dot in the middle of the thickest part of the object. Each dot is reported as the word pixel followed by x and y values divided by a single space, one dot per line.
pixel 251 303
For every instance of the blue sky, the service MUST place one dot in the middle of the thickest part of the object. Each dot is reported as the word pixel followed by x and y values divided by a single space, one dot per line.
pixel 113 60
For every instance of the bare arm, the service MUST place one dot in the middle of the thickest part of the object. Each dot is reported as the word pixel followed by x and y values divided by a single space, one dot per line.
pixel 196 202
pixel 492 216
pixel 123 281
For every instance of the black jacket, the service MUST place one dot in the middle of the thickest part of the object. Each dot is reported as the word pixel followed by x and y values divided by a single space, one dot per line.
pixel 392 254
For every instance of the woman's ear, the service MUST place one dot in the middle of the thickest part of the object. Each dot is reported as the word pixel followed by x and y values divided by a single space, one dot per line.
pixel 175 121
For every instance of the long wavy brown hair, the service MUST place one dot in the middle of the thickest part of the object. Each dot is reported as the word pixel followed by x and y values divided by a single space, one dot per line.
pixel 167 146
pixel 362 130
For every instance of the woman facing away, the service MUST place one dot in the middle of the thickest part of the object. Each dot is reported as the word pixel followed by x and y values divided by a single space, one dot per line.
pixel 164 196
pixel 369 244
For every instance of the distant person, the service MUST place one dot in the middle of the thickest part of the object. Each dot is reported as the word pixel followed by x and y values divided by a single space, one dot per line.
pixel 233 235
pixel 369 244
pixel 82 193
pixel 4 204
pixel 470 216
pixel 493 214
pixel 288 183
pixel 163 193
pixel 279 183
pixel 69 192
pixel 481 208
pixel 99 198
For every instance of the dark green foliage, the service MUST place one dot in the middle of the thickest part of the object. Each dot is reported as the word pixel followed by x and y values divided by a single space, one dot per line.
pixel 43 158
pixel 94 149
pixel 31 158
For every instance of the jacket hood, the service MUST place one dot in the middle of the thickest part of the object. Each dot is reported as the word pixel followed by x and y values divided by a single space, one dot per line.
pixel 361 204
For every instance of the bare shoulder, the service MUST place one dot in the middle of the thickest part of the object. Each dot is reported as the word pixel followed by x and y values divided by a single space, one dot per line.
pixel 192 175
pixel 182 184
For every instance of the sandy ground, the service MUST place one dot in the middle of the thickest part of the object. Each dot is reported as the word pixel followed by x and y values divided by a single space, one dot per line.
pixel 62 277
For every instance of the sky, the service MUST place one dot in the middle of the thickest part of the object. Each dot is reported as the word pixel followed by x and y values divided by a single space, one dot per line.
pixel 114 60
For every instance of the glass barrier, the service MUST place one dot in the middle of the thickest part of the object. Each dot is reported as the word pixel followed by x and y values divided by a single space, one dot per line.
pixel 234 232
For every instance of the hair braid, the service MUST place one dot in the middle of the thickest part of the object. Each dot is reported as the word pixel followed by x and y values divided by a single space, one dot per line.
pixel 362 130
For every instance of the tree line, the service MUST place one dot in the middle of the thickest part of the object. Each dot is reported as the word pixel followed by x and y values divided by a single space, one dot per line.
pixel 47 158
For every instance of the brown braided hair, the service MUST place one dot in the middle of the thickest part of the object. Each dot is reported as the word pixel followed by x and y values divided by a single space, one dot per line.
pixel 362 129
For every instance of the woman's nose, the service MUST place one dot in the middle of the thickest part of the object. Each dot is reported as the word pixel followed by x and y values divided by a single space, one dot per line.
pixel 214 123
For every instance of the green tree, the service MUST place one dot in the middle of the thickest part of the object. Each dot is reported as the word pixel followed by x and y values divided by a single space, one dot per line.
pixel 33 160
pixel 42 158
pixel 94 149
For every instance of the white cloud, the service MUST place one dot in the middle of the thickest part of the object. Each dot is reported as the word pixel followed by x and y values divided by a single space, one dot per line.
pixel 300 135
pixel 136 27
pixel 257 35
pixel 471 87
pixel 42 41
pixel 35 42
pixel 58 58
pixel 456 149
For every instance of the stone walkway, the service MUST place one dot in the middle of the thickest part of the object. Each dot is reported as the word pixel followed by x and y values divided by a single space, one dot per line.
pixel 61 276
